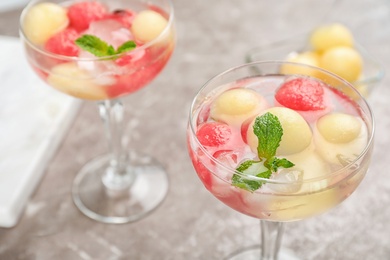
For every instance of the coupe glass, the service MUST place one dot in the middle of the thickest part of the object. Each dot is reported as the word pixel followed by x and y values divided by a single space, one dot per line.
pixel 281 198
pixel 121 186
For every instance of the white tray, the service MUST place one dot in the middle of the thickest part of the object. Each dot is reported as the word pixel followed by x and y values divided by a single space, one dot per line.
pixel 33 121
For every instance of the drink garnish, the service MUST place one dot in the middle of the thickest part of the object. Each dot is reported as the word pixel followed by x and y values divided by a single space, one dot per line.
pixel 269 132
pixel 100 48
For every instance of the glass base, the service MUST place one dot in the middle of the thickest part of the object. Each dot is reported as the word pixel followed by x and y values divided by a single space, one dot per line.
pixel 254 253
pixel 147 189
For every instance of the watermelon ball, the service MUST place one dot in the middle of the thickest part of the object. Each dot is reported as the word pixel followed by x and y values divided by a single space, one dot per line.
pixel 63 43
pixel 302 94
pixel 83 13
pixel 214 134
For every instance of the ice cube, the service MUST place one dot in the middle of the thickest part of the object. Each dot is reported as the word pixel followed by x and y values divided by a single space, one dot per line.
pixel 228 158
pixel 313 167
pixel 257 204
pixel 290 180
pixel 110 31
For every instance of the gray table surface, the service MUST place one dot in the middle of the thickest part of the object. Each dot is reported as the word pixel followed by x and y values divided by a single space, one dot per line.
pixel 191 223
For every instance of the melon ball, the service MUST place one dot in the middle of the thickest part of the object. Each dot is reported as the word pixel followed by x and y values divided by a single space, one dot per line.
pixel 339 127
pixel 345 62
pixel 308 57
pixel 297 134
pixel 236 105
pixel 44 20
pixel 312 167
pixel 70 79
pixel 329 36
pixel 340 138
pixel 147 25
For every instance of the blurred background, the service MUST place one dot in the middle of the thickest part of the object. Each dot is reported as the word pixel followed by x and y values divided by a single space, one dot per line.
pixel 191 223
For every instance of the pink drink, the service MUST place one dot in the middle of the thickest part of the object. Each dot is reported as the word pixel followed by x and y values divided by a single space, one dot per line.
pixel 323 133
pixel 51 49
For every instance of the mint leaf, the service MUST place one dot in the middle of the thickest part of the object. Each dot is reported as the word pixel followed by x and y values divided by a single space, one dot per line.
pixel 245 165
pixel 100 48
pixel 269 132
pixel 250 168
pixel 93 45
pixel 127 46
pixel 275 163
pixel 246 184
pixel 110 51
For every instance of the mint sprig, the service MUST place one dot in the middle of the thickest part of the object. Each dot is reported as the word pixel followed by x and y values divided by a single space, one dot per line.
pixel 100 48
pixel 269 132
pixel 250 168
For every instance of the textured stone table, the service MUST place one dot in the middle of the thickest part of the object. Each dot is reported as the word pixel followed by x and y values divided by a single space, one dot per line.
pixel 191 224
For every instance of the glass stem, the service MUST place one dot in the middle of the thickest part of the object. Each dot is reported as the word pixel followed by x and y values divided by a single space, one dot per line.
pixel 271 238
pixel 118 175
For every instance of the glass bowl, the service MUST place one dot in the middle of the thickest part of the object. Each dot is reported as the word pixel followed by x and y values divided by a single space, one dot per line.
pixel 372 74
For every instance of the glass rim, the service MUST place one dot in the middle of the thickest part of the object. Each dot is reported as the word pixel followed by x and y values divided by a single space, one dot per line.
pixel 366 149
pixel 166 31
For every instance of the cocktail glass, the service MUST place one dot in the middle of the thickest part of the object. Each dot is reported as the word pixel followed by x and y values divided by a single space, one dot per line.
pixel 286 196
pixel 122 186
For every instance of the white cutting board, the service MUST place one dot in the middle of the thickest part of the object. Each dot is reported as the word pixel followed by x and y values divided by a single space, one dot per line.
pixel 33 121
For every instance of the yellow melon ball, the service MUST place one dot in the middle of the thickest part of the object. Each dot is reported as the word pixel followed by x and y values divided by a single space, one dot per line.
pixel 345 62
pixel 44 20
pixel 70 79
pixel 236 105
pixel 341 139
pixel 329 36
pixel 308 57
pixel 312 166
pixel 147 25
pixel 339 127
pixel 297 134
